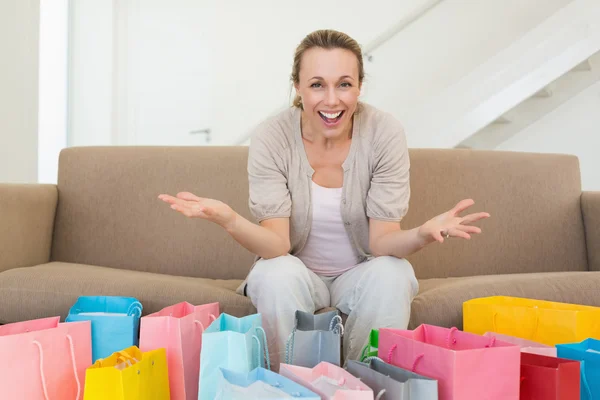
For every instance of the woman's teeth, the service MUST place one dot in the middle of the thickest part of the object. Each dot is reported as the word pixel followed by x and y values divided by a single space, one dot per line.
pixel 330 116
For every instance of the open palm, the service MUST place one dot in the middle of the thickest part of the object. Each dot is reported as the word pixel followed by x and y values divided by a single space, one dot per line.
pixel 193 206
pixel 451 224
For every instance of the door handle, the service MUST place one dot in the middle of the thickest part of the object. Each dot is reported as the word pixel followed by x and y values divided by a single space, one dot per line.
pixel 205 131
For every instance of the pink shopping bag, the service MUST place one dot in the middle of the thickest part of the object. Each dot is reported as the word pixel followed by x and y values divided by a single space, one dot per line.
pixel 44 359
pixel 527 346
pixel 467 366
pixel 328 381
pixel 178 329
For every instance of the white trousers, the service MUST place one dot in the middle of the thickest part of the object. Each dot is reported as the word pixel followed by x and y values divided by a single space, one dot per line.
pixel 375 294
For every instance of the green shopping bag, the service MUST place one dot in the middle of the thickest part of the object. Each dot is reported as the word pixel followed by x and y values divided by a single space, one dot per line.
pixel 370 349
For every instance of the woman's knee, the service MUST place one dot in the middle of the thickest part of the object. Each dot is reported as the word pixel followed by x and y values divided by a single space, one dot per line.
pixel 394 274
pixel 277 273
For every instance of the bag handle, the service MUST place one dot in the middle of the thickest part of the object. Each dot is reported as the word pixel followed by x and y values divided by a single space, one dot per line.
pixel 451 340
pixel 380 394
pixel 363 353
pixel 417 359
pixel 369 359
pixel 289 347
pixel 389 357
pixel 492 342
pixel 336 325
pixel 43 377
pixel 136 308
pixel 124 356
pixel 199 323
pixel 260 353
pixel 211 316
pixel 342 381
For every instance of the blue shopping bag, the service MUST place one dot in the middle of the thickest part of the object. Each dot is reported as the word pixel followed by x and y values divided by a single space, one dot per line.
pixel 115 322
pixel 259 384
pixel 588 352
pixel 236 344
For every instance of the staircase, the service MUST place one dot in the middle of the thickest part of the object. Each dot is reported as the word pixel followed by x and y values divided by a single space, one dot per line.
pixel 547 66
pixel 544 68
pixel 537 106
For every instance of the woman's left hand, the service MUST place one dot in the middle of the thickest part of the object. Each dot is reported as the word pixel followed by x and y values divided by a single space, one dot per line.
pixel 451 224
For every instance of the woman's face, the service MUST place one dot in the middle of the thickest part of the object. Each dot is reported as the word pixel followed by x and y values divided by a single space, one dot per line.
pixel 329 86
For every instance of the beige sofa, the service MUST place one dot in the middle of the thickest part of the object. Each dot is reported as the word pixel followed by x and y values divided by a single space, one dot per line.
pixel 102 231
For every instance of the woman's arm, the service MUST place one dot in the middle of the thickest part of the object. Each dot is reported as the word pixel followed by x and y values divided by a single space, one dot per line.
pixel 388 239
pixel 270 200
pixel 268 240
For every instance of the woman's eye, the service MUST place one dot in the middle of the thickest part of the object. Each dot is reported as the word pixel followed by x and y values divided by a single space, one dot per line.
pixel 346 84
pixel 315 85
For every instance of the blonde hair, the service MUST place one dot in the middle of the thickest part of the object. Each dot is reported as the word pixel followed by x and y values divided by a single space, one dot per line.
pixel 326 39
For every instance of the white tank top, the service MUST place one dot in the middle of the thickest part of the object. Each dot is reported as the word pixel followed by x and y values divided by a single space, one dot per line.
pixel 328 250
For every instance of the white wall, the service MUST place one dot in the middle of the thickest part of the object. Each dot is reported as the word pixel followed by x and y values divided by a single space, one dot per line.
pixel 252 44
pixel 91 72
pixel 52 121
pixel 572 128
pixel 19 21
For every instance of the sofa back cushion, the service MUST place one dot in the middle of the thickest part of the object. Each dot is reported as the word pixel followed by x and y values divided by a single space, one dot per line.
pixel 534 201
pixel 108 213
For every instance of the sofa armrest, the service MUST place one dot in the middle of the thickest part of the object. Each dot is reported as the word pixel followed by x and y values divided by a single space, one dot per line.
pixel 26 224
pixel 590 208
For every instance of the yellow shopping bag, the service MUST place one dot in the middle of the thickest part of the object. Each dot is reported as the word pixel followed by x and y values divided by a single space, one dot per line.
pixel 541 321
pixel 129 375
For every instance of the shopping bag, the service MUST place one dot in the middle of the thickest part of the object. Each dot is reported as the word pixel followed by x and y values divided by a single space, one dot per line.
pixel 549 378
pixel 527 346
pixel 466 366
pixel 236 344
pixel 115 322
pixel 44 359
pixel 588 353
pixel 259 384
pixel 370 349
pixel 328 381
pixel 129 374
pixel 541 321
pixel 315 338
pixel 178 329
pixel 393 383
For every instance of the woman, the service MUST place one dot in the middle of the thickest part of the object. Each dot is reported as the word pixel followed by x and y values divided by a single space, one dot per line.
pixel 329 185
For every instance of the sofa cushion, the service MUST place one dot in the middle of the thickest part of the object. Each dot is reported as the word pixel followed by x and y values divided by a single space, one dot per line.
pixel 51 289
pixel 109 214
pixel 534 201
pixel 439 301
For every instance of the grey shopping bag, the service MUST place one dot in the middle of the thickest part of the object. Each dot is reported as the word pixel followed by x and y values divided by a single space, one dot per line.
pixel 314 339
pixel 390 382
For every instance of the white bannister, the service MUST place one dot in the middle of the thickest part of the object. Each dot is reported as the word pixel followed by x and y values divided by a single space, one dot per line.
pixel 399 26
pixel 564 40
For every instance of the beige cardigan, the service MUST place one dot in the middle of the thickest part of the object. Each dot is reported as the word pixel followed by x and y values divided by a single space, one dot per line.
pixel 376 175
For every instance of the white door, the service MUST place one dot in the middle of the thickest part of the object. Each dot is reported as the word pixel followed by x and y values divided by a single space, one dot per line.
pixel 167 83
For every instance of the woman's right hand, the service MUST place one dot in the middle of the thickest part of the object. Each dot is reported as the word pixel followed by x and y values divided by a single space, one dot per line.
pixel 193 206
